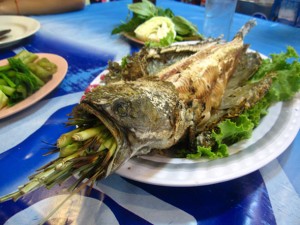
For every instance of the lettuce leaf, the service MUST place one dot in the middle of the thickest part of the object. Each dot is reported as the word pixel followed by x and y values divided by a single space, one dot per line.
pixel 231 131
pixel 286 75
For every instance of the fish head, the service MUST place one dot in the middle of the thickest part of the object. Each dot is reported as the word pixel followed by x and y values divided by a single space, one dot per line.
pixel 141 115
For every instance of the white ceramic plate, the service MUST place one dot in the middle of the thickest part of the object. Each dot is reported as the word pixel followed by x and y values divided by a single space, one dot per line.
pixel 62 68
pixel 275 133
pixel 21 27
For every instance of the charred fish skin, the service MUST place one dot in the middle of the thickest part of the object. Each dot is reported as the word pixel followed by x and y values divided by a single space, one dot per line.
pixel 240 94
pixel 199 79
pixel 151 60
pixel 157 111
pixel 150 113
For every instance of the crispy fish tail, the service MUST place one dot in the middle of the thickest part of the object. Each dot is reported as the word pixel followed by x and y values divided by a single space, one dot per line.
pixel 245 29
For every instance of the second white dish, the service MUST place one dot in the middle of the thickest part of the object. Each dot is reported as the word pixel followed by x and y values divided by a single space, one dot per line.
pixel 21 27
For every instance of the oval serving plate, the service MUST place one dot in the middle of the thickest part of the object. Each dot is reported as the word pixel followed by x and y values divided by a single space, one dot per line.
pixel 62 68
pixel 270 138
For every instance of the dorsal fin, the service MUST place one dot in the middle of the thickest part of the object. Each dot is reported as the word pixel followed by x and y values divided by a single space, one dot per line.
pixel 245 29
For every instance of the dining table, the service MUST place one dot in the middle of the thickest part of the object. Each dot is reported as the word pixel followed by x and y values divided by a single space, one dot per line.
pixel 258 185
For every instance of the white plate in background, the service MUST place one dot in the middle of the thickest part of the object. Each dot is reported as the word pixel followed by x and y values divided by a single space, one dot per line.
pixel 21 27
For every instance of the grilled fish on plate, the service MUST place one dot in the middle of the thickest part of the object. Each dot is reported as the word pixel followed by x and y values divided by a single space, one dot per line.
pixel 160 98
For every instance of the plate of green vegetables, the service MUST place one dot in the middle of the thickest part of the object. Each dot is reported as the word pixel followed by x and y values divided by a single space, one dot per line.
pixel 155 26
pixel 28 77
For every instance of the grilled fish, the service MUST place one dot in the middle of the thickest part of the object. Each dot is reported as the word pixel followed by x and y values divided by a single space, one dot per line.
pixel 147 109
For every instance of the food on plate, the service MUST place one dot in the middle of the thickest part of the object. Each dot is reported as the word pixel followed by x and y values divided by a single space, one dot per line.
pixel 157 26
pixel 155 29
pixel 23 75
pixel 159 98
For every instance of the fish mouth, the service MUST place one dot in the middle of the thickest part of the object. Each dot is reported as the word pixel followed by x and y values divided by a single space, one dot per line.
pixel 122 152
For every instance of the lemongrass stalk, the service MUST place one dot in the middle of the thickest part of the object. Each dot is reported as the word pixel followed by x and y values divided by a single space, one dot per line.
pixel 66 159
pixel 59 180
pixel 69 149
pixel 101 148
pixel 108 143
pixel 86 134
pixel 52 180
pixel 112 149
pixel 111 146
pixel 29 187
pixel 66 138
pixel 43 175
pixel 15 195
pixel 61 165
pixel 105 137
pixel 109 155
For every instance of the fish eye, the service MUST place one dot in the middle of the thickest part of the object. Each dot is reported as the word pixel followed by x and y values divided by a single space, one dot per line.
pixel 121 107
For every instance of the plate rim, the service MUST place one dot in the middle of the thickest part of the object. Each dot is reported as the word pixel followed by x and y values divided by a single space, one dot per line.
pixel 35 26
pixel 132 38
pixel 43 91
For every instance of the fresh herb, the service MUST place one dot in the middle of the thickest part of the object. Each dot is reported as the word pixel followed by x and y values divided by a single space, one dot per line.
pixel 145 10
pixel 184 27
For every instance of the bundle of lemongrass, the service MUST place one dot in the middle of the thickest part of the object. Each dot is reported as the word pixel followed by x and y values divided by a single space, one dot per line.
pixel 81 151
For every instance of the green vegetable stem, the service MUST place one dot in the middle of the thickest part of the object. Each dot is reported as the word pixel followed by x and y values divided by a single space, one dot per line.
pixel 22 76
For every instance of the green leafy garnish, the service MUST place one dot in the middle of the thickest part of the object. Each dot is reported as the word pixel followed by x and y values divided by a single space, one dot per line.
pixel 231 131
pixel 209 152
pixel 145 10
pixel 184 27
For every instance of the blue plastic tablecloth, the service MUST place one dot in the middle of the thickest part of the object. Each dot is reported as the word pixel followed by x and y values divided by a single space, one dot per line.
pixel 267 196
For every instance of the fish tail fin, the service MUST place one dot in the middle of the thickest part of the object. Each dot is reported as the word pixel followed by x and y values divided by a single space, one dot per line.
pixel 245 29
